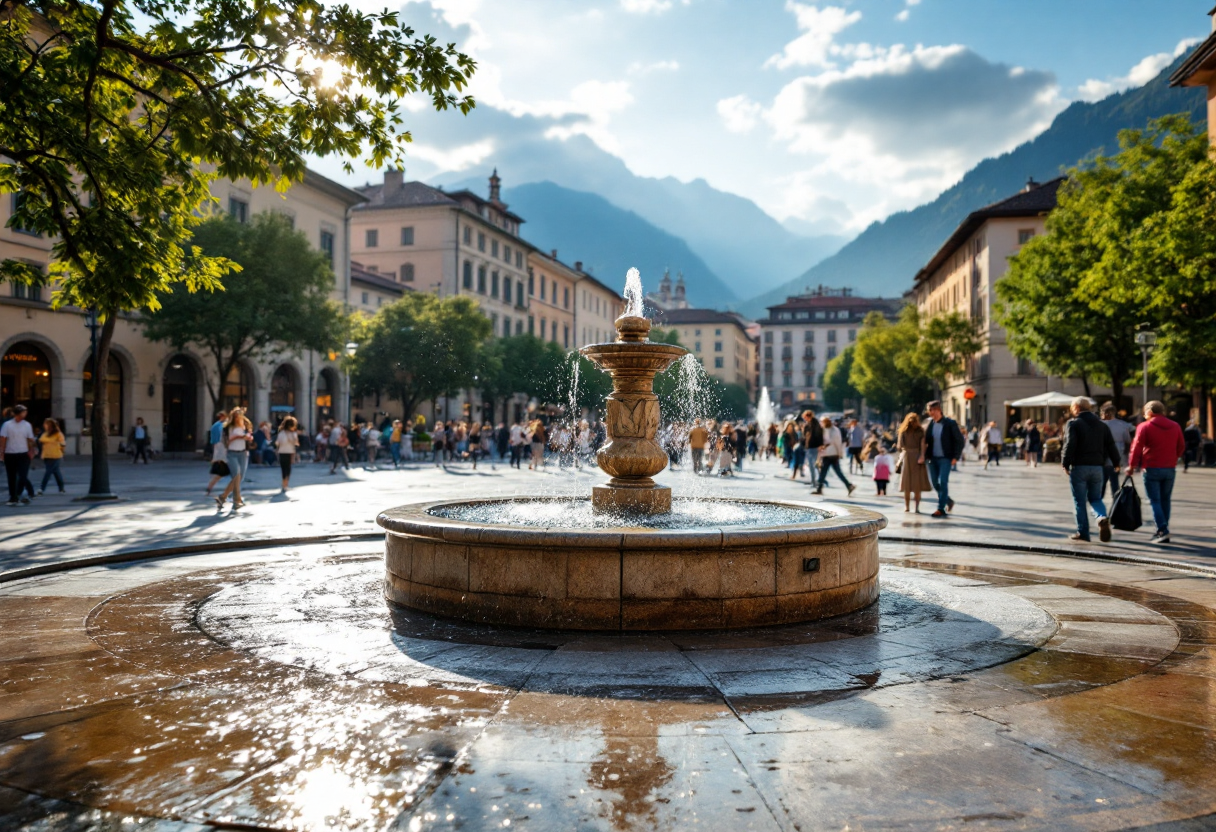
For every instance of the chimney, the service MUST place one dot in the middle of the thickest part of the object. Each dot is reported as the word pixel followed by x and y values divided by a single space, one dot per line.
pixel 1030 184
pixel 393 179
pixel 578 265
pixel 553 254
pixel 495 186
pixel 1212 14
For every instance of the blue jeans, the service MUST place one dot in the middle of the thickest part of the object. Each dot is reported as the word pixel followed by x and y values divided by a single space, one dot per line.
pixel 1159 486
pixel 1112 479
pixel 238 463
pixel 1088 483
pixel 51 469
pixel 939 478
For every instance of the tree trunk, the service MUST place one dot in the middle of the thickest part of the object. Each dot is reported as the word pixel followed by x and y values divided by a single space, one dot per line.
pixel 1085 384
pixel 99 480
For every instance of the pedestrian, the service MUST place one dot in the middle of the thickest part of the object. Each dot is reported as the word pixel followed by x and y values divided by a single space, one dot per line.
pixel 1034 444
pixel 52 443
pixel 263 439
pixel 1156 449
pixel 913 476
pixel 474 443
pixel 515 443
pixel 538 437
pixel 753 439
pixel 394 443
pixel 883 465
pixel 726 450
pixel 829 456
pixel 218 450
pixel 320 451
pixel 238 434
pixel 286 444
pixel 698 438
pixel 371 445
pixel 995 444
pixel 857 440
pixel 1121 432
pixel 1088 448
pixel 438 443
pixel 812 441
pixel 944 442
pixel 1192 438
pixel 139 440
pixel 339 442
pixel 17 447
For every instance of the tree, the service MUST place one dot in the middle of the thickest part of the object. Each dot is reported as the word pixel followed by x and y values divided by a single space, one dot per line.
pixel 884 367
pixel 419 348
pixel 838 391
pixel 279 300
pixel 116 115
pixel 733 401
pixel 945 345
pixel 526 364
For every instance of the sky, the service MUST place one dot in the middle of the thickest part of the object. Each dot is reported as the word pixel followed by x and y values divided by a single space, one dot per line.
pixel 829 114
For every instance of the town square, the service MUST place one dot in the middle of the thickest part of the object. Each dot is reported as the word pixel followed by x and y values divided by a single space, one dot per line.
pixel 640 414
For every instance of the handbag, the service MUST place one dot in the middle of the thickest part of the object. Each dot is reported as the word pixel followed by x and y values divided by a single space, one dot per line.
pixel 899 465
pixel 219 468
pixel 1125 511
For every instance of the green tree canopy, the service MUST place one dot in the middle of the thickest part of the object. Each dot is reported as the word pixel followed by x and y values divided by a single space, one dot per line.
pixel 945 345
pixel 526 364
pixel 419 348
pixel 838 391
pixel 884 368
pixel 116 115
pixel 277 302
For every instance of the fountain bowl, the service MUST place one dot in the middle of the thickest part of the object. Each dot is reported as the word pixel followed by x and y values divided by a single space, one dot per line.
pixel 631 577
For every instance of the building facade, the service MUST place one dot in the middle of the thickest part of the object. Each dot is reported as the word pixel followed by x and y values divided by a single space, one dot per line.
pixel 45 354
pixel 719 340
pixel 961 277
pixel 799 338
pixel 553 298
pixel 1199 70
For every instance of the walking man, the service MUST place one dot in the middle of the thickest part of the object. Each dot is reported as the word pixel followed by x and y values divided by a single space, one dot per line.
pixel 812 441
pixel 139 440
pixel 1156 449
pixel 697 437
pixel 857 440
pixel 1121 432
pixel 995 443
pixel 1088 449
pixel 829 457
pixel 17 446
pixel 945 442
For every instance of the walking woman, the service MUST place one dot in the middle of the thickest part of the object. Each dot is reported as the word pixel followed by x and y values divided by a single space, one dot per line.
pixel 829 457
pixel 914 479
pixel 238 433
pixel 52 444
pixel 286 444
pixel 1034 444
pixel 540 438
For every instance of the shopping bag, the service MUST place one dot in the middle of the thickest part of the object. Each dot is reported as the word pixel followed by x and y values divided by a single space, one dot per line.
pixel 1125 511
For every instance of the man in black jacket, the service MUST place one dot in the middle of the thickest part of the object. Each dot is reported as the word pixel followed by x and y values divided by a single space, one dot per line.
pixel 1088 447
pixel 945 442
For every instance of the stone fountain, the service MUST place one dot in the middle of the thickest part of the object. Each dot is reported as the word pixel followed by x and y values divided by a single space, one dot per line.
pixel 631 558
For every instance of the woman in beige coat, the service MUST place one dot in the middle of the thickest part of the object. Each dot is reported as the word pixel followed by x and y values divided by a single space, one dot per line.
pixel 914 478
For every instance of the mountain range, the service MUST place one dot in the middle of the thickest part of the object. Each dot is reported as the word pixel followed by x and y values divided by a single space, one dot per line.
pixel 885 257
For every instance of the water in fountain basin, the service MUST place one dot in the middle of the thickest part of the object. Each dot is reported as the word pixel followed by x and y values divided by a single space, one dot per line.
pixel 577 514
pixel 633 293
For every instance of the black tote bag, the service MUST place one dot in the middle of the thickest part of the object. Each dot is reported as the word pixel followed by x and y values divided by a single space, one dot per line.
pixel 1125 512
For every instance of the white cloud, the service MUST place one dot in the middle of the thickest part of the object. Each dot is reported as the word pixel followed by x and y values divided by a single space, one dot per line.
pixel 1144 71
pixel 645 6
pixel 902 16
pixel 820 26
pixel 639 68
pixel 739 113
pixel 453 159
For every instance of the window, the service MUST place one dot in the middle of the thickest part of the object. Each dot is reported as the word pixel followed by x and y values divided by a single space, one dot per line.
pixel 365 298
pixel 506 326
pixel 809 380
pixel 468 275
pixel 697 346
pixel 820 315
pixel 852 335
pixel 696 332
pixel 717 346
pixel 238 209
pixel 519 260
pixel 831 336
pixel 831 353
pixel 327 246
pixel 506 253
pixel 519 327
pixel 20 290
pixel 493 248
pixel 808 336
pixel 566 336
pixel 787 380
pixel 371 237
pixel 531 325
pixel 493 322
pixel 717 332
pixel 566 297
pixel 481 241
pixel 494 284
pixel 506 290
pixel 787 337
pixel 481 279
pixel 768 337
pixel 407 272
pixel 542 287
pixel 379 300
pixel 718 363
pixel 407 236
pixel 787 366
pixel 531 285
pixel 1025 235
pixel 468 236
pixel 543 324
pixel 768 352
pixel 21 229
pixel 554 295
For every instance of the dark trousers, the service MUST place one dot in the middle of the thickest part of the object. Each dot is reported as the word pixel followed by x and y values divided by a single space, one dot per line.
pixel 1111 478
pixel 881 485
pixel 939 478
pixel 517 454
pixel 141 450
pixel 831 463
pixel 17 467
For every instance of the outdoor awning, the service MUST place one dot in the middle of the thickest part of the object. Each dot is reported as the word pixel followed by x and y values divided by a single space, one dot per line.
pixel 1054 399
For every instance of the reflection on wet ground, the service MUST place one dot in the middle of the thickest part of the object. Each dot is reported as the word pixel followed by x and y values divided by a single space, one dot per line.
pixel 986 689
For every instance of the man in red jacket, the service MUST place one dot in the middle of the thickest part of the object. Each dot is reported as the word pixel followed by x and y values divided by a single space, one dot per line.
pixel 1156 449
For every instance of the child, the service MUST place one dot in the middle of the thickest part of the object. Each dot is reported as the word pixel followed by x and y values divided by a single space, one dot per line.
pixel 883 463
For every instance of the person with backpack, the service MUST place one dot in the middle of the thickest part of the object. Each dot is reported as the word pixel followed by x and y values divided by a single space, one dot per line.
pixel 1156 449
pixel 1088 448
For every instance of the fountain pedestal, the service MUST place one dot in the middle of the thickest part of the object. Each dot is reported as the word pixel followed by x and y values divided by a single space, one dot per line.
pixel 631 455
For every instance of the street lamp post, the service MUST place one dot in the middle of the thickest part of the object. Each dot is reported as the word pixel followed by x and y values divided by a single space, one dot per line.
pixel 351 349
pixel 1146 339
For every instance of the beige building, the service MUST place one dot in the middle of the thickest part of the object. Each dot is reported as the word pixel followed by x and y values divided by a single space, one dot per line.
pixel 719 340
pixel 596 309
pixel 800 336
pixel 961 277
pixel 371 290
pixel 449 243
pixel 553 298
pixel 45 354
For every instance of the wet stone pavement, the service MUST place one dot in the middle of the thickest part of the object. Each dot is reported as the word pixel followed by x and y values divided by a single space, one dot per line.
pixel 275 689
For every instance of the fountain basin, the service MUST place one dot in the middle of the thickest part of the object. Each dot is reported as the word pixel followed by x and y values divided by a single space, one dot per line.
pixel 629 577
